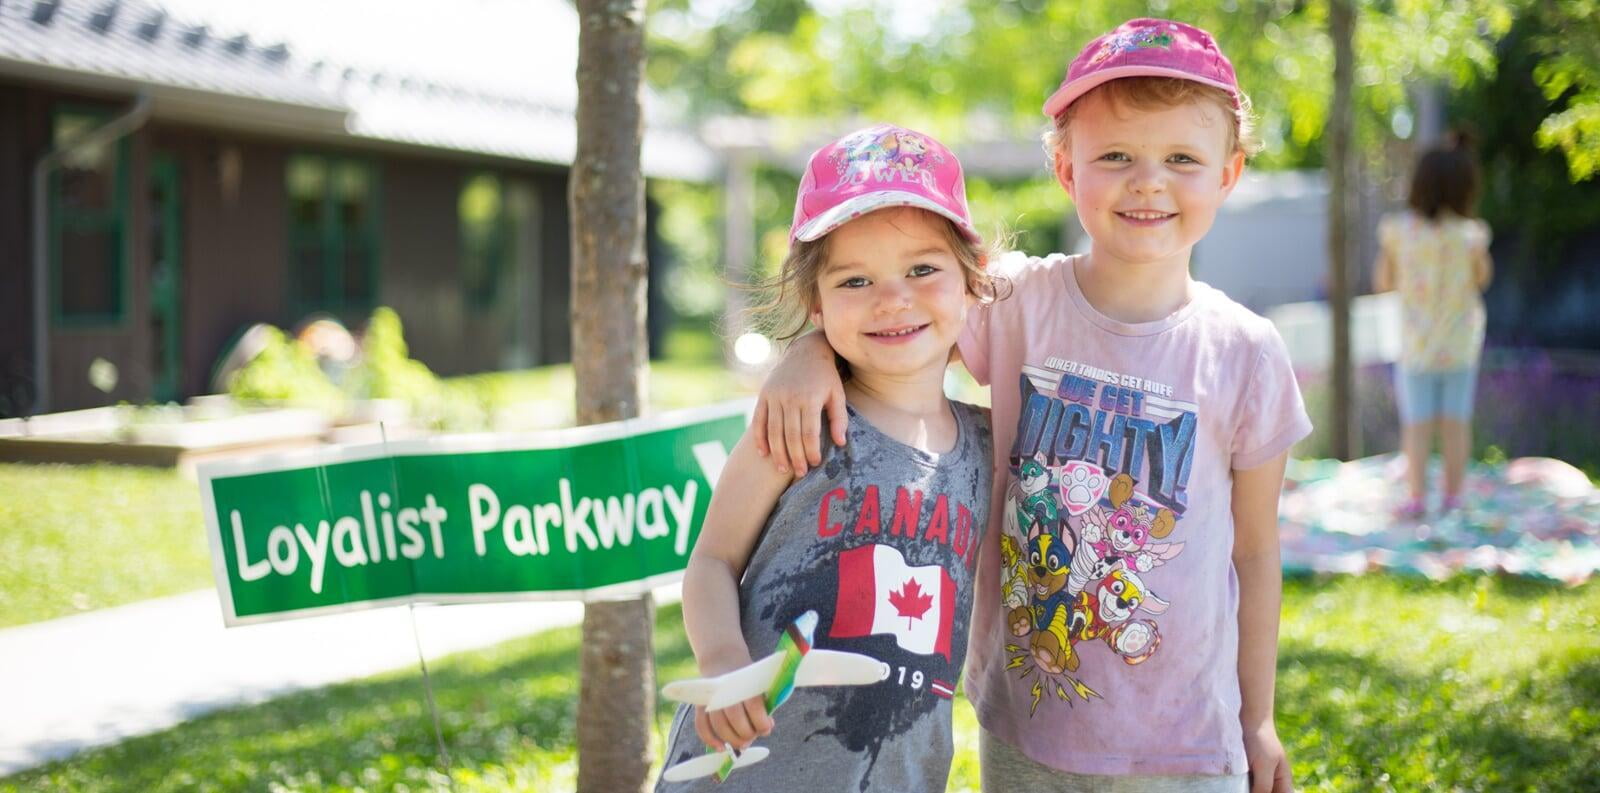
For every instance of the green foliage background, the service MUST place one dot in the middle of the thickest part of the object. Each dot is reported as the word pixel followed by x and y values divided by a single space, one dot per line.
pixel 1524 73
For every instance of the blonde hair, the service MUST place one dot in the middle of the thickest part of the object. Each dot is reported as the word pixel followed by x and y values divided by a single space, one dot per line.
pixel 1150 93
pixel 792 294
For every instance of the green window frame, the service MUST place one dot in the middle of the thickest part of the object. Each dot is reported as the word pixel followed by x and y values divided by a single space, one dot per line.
pixel 488 238
pixel 333 232
pixel 74 223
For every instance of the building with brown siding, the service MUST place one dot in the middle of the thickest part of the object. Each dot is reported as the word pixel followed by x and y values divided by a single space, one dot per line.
pixel 174 181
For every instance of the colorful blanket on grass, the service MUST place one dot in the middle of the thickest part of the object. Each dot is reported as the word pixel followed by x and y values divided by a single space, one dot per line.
pixel 1530 516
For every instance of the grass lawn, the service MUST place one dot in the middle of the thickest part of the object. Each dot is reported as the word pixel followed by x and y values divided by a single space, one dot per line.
pixel 1385 683
pixel 74 538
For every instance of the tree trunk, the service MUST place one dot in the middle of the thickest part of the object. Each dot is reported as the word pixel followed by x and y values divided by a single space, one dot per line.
pixel 1341 192
pixel 606 192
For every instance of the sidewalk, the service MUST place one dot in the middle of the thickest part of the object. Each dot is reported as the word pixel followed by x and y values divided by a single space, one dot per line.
pixel 98 678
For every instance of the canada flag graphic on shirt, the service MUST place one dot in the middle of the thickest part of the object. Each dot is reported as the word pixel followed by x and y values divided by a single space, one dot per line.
pixel 880 593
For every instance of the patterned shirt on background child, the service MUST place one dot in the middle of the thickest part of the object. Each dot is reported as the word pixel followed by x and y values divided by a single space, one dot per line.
pixel 1441 299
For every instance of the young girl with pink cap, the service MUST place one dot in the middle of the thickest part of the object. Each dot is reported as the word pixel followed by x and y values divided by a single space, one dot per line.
pixel 1124 636
pixel 881 539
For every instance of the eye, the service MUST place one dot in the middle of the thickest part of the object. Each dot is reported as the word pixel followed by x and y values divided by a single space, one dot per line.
pixel 1116 587
pixel 854 282
pixel 1036 558
pixel 923 270
pixel 1114 156
pixel 1183 159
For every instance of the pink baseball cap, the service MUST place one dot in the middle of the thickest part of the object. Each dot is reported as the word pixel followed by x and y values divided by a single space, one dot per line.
pixel 875 168
pixel 1146 48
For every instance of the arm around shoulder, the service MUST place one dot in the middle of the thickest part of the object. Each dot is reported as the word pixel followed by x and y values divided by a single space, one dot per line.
pixel 788 417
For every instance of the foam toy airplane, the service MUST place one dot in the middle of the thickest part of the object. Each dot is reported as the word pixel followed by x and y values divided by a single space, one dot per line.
pixel 793 664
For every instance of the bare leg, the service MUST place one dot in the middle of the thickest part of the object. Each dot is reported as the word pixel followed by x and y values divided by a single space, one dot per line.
pixel 1455 438
pixel 1414 442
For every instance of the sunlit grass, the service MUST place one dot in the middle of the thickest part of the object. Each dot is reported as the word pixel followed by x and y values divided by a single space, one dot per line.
pixel 80 537
pixel 1385 683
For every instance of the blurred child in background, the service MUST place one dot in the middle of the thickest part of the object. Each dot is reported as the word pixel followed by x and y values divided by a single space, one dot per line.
pixel 1436 255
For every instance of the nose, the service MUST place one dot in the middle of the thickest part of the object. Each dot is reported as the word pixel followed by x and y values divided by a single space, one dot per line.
pixel 1147 179
pixel 893 296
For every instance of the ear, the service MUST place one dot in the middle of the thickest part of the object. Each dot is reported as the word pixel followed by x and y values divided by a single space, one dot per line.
pixel 1121 490
pixel 1163 524
pixel 1153 604
pixel 1232 171
pixel 816 317
pixel 1064 176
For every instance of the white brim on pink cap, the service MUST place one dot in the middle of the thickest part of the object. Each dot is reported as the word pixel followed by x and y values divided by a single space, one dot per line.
pixel 849 210
pixel 1072 90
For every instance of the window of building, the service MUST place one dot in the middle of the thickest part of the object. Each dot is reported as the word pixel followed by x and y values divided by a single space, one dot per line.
pixel 488 237
pixel 333 233
pixel 88 223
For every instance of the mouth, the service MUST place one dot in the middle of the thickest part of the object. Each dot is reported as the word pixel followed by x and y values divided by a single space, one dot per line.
pixel 898 335
pixel 1146 217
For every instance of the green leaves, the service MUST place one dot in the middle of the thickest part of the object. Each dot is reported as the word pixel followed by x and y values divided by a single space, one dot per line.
pixel 1571 73
pixel 949 65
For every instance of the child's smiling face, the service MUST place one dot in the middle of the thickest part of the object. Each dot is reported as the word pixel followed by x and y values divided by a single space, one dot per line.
pixel 1147 182
pixel 892 297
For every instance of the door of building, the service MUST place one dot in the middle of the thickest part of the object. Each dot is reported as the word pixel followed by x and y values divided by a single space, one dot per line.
pixel 166 278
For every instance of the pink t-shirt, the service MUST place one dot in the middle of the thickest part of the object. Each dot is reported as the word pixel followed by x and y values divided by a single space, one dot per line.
pixel 1105 624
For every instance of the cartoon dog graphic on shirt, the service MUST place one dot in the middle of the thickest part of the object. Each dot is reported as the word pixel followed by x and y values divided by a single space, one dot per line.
pixel 1107 614
pixel 1122 538
pixel 1098 593
pixel 1036 572
pixel 1034 499
pixel 1047 567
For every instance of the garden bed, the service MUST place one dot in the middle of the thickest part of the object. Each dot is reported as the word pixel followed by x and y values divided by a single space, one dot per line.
pixel 162 436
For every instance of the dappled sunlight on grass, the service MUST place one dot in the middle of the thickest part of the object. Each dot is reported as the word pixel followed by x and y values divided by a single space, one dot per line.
pixel 1390 683
pixel 1385 683
pixel 507 714
pixel 80 537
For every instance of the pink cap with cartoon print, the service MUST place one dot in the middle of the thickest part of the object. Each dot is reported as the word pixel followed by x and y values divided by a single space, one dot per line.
pixel 874 168
pixel 1146 48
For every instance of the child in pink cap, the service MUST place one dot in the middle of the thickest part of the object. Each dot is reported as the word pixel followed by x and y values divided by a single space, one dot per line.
pixel 1124 636
pixel 881 540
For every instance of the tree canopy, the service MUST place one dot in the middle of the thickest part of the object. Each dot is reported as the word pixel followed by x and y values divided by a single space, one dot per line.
pixel 969 68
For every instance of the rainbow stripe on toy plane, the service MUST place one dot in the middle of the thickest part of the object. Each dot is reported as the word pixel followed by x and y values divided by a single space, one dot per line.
pixel 794 663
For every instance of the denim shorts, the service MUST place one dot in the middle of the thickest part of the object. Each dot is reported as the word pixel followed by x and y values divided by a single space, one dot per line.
pixel 1425 396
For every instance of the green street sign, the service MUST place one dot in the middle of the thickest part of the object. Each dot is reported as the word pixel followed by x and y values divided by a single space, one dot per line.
pixel 592 513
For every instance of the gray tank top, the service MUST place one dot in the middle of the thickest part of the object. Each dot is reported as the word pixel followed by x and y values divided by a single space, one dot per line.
pixel 881 541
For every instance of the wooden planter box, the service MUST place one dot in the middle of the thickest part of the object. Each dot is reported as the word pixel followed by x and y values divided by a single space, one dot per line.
pixel 107 435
